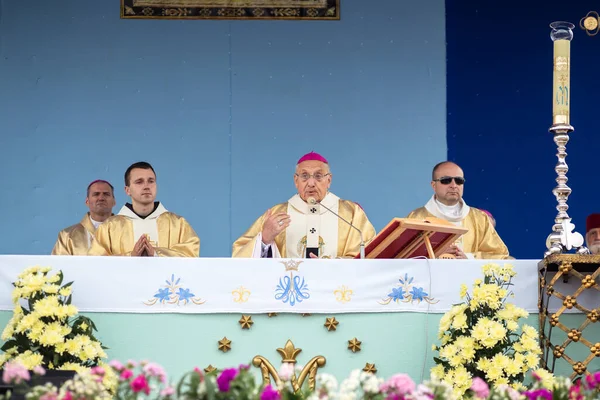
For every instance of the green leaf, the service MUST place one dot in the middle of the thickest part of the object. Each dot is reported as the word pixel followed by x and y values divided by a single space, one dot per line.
pixel 60 279
pixel 9 345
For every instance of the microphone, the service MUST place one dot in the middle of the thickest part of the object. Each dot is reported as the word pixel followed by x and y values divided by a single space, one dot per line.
pixel 313 201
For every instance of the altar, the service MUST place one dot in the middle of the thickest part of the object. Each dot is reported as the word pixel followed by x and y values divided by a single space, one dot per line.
pixel 378 315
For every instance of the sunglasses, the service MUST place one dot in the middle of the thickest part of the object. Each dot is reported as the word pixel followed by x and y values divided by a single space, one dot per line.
pixel 445 180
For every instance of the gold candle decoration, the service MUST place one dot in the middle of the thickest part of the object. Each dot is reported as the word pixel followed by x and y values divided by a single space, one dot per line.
pixel 561 35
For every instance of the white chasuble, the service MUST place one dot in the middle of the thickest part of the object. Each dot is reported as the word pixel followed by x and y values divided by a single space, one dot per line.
pixel 312 226
pixel 146 225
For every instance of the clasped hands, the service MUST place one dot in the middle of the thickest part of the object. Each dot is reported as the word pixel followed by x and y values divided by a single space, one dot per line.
pixel 143 248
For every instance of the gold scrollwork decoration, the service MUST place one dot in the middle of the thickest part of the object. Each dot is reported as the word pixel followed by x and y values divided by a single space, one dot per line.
pixel 288 354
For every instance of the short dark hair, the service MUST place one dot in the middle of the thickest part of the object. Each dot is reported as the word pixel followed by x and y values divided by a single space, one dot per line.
pixel 139 164
pixel 112 189
pixel 438 165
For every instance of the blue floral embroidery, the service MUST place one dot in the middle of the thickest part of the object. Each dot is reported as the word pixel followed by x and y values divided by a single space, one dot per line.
pixel 406 292
pixel 173 293
pixel 163 294
pixel 418 293
pixel 397 293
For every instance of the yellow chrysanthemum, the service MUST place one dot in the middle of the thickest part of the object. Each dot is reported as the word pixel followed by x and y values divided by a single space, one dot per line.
pixel 494 372
pixel 512 326
pixel 530 331
pixel 78 368
pixel 463 291
pixel 446 339
pixel 513 368
pixel 546 378
pixel 110 379
pixel 30 360
pixel 54 334
pixel 462 378
pixel 438 372
pixel 51 288
pixel 65 291
pixel 460 322
pixel 466 344
pixel 532 360
pixel 27 322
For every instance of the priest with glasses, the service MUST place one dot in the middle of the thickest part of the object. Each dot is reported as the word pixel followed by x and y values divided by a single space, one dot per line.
pixel 447 203
pixel 303 227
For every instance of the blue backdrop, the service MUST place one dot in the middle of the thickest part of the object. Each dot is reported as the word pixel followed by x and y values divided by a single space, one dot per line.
pixel 500 109
pixel 222 109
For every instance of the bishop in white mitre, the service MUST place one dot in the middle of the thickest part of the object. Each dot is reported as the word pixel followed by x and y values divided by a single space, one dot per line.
pixel 303 226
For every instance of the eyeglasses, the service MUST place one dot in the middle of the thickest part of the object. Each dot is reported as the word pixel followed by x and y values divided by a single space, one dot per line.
pixel 445 180
pixel 317 176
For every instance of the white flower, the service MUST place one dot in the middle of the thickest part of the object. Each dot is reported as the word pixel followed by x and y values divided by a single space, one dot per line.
pixel 201 388
pixel 347 396
pixel 371 384
pixel 286 371
pixel 327 381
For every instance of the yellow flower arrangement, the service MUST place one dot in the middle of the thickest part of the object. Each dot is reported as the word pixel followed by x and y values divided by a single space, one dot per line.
pixel 481 337
pixel 48 331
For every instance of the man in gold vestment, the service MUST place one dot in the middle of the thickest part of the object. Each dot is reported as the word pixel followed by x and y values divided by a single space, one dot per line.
pixel 77 239
pixel 144 228
pixel 481 241
pixel 302 227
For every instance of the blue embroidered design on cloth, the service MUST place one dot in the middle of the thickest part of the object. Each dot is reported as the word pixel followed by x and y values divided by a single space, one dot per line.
pixel 174 293
pixel 406 292
pixel 292 289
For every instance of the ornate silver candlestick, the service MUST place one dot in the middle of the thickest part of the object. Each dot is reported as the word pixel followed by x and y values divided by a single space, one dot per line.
pixel 563 236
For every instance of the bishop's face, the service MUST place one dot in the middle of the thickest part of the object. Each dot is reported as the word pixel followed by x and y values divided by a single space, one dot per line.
pixel 593 240
pixel 312 179
pixel 142 186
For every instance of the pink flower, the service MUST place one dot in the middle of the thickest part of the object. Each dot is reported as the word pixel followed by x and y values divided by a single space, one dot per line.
pixel 39 370
pixel 140 384
pixel 511 392
pixel 126 374
pixel 269 393
pixel 399 384
pixel 49 396
pixel 115 364
pixel 200 374
pixel 480 388
pixel 156 370
pixel 98 371
pixel 224 380
pixel 575 392
pixel 168 391
pixel 131 364
pixel 592 380
pixel 286 371
pixel 15 373
pixel 67 396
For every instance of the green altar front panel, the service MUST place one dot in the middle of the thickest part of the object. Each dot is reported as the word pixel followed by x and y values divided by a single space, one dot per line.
pixel 394 342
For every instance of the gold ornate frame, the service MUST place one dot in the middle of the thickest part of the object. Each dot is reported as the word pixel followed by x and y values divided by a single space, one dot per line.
pixel 231 9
